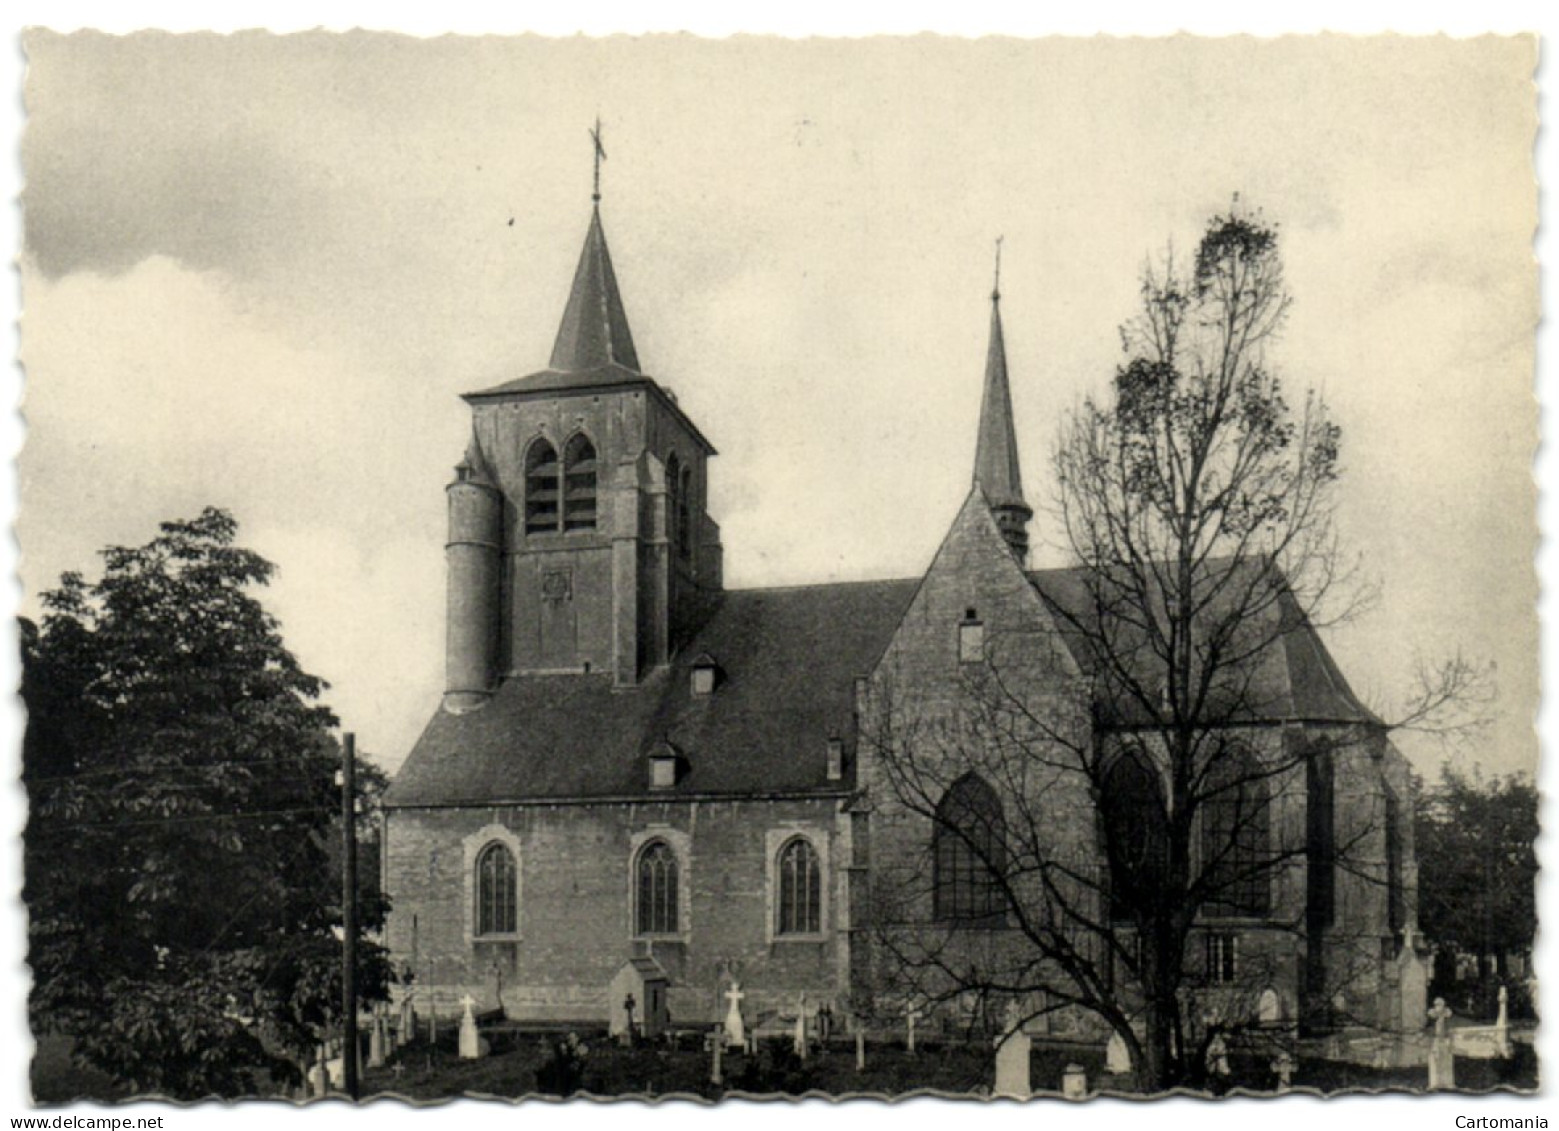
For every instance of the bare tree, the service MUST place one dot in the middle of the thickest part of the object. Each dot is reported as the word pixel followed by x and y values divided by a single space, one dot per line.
pixel 1110 786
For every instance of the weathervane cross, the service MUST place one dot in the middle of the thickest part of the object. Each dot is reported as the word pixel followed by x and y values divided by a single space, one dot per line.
pixel 600 155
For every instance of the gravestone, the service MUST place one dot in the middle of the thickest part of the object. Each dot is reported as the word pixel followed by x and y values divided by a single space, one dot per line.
pixel 800 1038
pixel 376 1041
pixel 735 1031
pixel 1412 986
pixel 1502 1024
pixel 1117 1056
pixel 1442 1059
pixel 716 1069
pixel 1269 1008
pixel 408 1025
pixel 911 1015
pixel 625 1037
pixel 1013 1058
pixel 1218 1059
pixel 1074 1082
pixel 860 1047
pixel 642 981
pixel 470 1043
pixel 1283 1069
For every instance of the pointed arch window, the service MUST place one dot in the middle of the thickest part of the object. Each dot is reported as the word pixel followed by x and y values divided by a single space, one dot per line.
pixel 675 507
pixel 542 487
pixel 1396 895
pixel 685 514
pixel 579 470
pixel 497 903
pixel 969 849
pixel 1236 825
pixel 800 889
pixel 657 876
pixel 1135 834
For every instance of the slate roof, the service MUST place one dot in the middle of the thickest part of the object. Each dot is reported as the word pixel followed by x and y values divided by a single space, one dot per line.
pixel 594 346
pixel 787 661
pixel 1296 680
pixel 787 658
pixel 594 331
pixel 996 447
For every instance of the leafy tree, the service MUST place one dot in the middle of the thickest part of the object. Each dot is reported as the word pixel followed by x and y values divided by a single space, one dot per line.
pixel 185 910
pixel 1477 863
pixel 1197 503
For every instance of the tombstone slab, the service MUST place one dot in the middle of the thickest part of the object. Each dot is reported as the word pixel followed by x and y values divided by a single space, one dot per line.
pixel 1074 1082
pixel 376 1041
pixel 1117 1056
pixel 1012 1065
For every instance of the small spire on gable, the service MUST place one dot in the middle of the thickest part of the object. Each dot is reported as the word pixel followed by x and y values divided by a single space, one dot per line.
pixel 996 451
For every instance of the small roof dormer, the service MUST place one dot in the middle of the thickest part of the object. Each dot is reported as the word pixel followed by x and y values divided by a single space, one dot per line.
pixel 666 764
pixel 705 675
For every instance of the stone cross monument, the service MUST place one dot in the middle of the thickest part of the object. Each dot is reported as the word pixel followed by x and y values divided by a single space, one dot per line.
pixel 735 1031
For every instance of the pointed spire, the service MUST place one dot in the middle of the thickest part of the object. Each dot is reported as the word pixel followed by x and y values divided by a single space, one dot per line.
pixel 594 332
pixel 996 452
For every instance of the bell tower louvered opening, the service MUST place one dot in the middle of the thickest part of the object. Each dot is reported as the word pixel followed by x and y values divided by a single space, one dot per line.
pixel 579 498
pixel 541 487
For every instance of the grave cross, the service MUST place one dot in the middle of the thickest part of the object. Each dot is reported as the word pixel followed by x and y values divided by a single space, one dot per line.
pixel 1440 1013
pixel 1283 1066
pixel 735 1032
pixel 911 1015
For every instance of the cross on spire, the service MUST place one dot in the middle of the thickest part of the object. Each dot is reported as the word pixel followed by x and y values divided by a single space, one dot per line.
pixel 996 286
pixel 600 155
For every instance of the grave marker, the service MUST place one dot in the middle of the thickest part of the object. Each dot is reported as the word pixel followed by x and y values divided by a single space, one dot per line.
pixel 1442 1059
pixel 470 1043
pixel 1012 1062
pixel 735 1031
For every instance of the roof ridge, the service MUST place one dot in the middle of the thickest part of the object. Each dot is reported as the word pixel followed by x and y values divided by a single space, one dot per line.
pixel 824 585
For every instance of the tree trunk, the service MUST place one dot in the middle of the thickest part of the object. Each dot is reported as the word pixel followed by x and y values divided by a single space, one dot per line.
pixel 1158 1062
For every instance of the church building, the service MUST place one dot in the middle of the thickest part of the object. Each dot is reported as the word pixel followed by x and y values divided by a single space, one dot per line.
pixel 633 765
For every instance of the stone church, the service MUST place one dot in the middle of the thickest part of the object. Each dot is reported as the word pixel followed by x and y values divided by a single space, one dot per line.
pixel 633 765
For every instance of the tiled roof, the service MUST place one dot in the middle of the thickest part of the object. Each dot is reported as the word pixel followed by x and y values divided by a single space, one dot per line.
pixel 1295 680
pixel 787 659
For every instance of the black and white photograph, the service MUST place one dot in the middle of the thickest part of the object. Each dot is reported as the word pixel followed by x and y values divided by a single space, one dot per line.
pixel 625 567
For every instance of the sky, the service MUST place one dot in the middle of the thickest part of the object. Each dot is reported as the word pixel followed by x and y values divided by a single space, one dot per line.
pixel 259 270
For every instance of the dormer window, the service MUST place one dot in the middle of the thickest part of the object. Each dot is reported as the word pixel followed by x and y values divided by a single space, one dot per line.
pixel 663 766
pixel 835 759
pixel 971 637
pixel 705 675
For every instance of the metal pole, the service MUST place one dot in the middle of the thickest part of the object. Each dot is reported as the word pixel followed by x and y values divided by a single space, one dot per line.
pixel 349 913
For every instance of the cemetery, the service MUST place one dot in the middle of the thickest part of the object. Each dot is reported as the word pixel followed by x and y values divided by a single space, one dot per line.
pixel 808 1051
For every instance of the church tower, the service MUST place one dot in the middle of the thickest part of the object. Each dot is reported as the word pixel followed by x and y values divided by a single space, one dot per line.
pixel 578 537
pixel 996 449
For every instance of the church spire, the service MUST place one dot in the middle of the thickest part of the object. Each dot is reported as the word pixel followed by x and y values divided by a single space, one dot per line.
pixel 996 452
pixel 594 332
